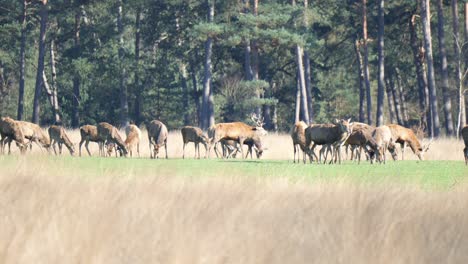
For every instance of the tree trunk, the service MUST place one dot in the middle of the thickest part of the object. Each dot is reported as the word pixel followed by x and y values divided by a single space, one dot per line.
pixel 425 17
pixel 457 48
pixel 297 116
pixel 207 114
pixel 247 61
pixel 418 58
pixel 300 68
pixel 381 81
pixel 123 70
pixel 255 61
pixel 366 62
pixel 195 94
pixel 22 60
pixel 465 80
pixel 307 70
pixel 40 62
pixel 138 87
pixel 55 104
pixel 444 70
pixel 76 79
pixel 391 105
pixel 362 89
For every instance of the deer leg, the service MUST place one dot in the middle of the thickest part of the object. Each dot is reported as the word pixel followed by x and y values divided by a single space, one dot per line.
pixel 151 149
pixel 138 149
pixel 183 150
pixel 165 147
pixel 198 147
pixel 403 146
pixel 52 142
pixel 60 148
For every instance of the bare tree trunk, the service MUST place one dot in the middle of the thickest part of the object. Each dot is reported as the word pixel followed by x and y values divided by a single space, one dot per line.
pixel 381 80
pixel 123 69
pixel 186 101
pixel 22 60
pixel 255 60
pixel 247 60
pixel 297 117
pixel 40 63
pixel 138 86
pixel 307 72
pixel 195 94
pixel 391 105
pixel 444 70
pixel 457 48
pixel 401 94
pixel 300 65
pixel 465 52
pixel 55 104
pixel 362 89
pixel 366 62
pixel 207 115
pixel 418 57
pixel 425 16
pixel 75 122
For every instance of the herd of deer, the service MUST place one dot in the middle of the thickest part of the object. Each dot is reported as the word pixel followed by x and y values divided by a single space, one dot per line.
pixel 375 141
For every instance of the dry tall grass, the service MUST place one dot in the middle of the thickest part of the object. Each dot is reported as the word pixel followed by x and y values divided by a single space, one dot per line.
pixel 279 147
pixel 47 217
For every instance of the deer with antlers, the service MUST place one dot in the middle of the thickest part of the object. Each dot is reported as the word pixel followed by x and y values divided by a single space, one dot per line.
pixel 237 131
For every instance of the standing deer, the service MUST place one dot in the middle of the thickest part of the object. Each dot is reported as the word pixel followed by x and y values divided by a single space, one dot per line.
pixel 157 136
pixel 384 140
pixel 299 140
pixel 195 135
pixel 34 133
pixel 109 133
pixel 10 130
pixel 88 133
pixel 464 133
pixel 59 136
pixel 133 139
pixel 406 136
pixel 237 131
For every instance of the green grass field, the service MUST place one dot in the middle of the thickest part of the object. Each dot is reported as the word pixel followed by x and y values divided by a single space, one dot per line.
pixel 437 173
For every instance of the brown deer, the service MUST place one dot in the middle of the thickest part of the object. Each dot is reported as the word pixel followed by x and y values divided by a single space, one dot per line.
pixel 59 136
pixel 384 140
pixel 109 133
pixel 232 147
pixel 111 147
pixel 464 134
pixel 10 130
pixel 362 139
pixel 405 136
pixel 195 135
pixel 88 133
pixel 334 135
pixel 133 139
pixel 237 131
pixel 355 149
pixel 157 136
pixel 34 133
pixel 299 140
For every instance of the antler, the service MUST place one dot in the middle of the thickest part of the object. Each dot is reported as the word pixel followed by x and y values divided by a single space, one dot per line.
pixel 256 120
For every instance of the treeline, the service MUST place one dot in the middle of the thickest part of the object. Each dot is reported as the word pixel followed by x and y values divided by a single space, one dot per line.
pixel 74 62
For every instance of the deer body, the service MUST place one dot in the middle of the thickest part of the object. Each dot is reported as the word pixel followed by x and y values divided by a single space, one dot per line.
pixel 133 139
pixel 157 136
pixel 10 130
pixel 59 136
pixel 88 133
pixel 299 140
pixel 195 135
pixel 384 140
pixel 406 136
pixel 109 133
pixel 464 134
pixel 34 133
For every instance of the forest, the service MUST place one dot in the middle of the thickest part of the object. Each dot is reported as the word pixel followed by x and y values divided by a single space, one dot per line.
pixel 189 62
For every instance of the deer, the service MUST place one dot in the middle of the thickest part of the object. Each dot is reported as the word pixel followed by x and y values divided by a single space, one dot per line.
pixel 10 130
pixel 232 147
pixel 157 136
pixel 464 133
pixel 405 136
pixel 355 150
pixel 89 133
pixel 195 135
pixel 362 139
pixel 384 140
pixel 59 136
pixel 299 140
pixel 111 147
pixel 133 139
pixel 237 131
pixel 34 133
pixel 109 133
pixel 334 135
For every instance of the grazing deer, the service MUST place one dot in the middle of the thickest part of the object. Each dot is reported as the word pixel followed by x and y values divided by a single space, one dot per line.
pixel 109 133
pixel 299 140
pixel 464 133
pixel 334 135
pixel 355 151
pixel 237 131
pixel 34 133
pixel 362 139
pixel 384 140
pixel 405 136
pixel 133 139
pixel 232 147
pixel 89 133
pixel 157 136
pixel 58 135
pixel 195 135
pixel 111 147
pixel 10 130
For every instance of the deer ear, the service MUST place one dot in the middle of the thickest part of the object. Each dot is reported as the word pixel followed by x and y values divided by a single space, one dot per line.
pixel 349 120
pixel 336 121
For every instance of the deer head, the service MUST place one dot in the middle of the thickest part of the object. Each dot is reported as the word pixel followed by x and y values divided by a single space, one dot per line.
pixel 258 124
